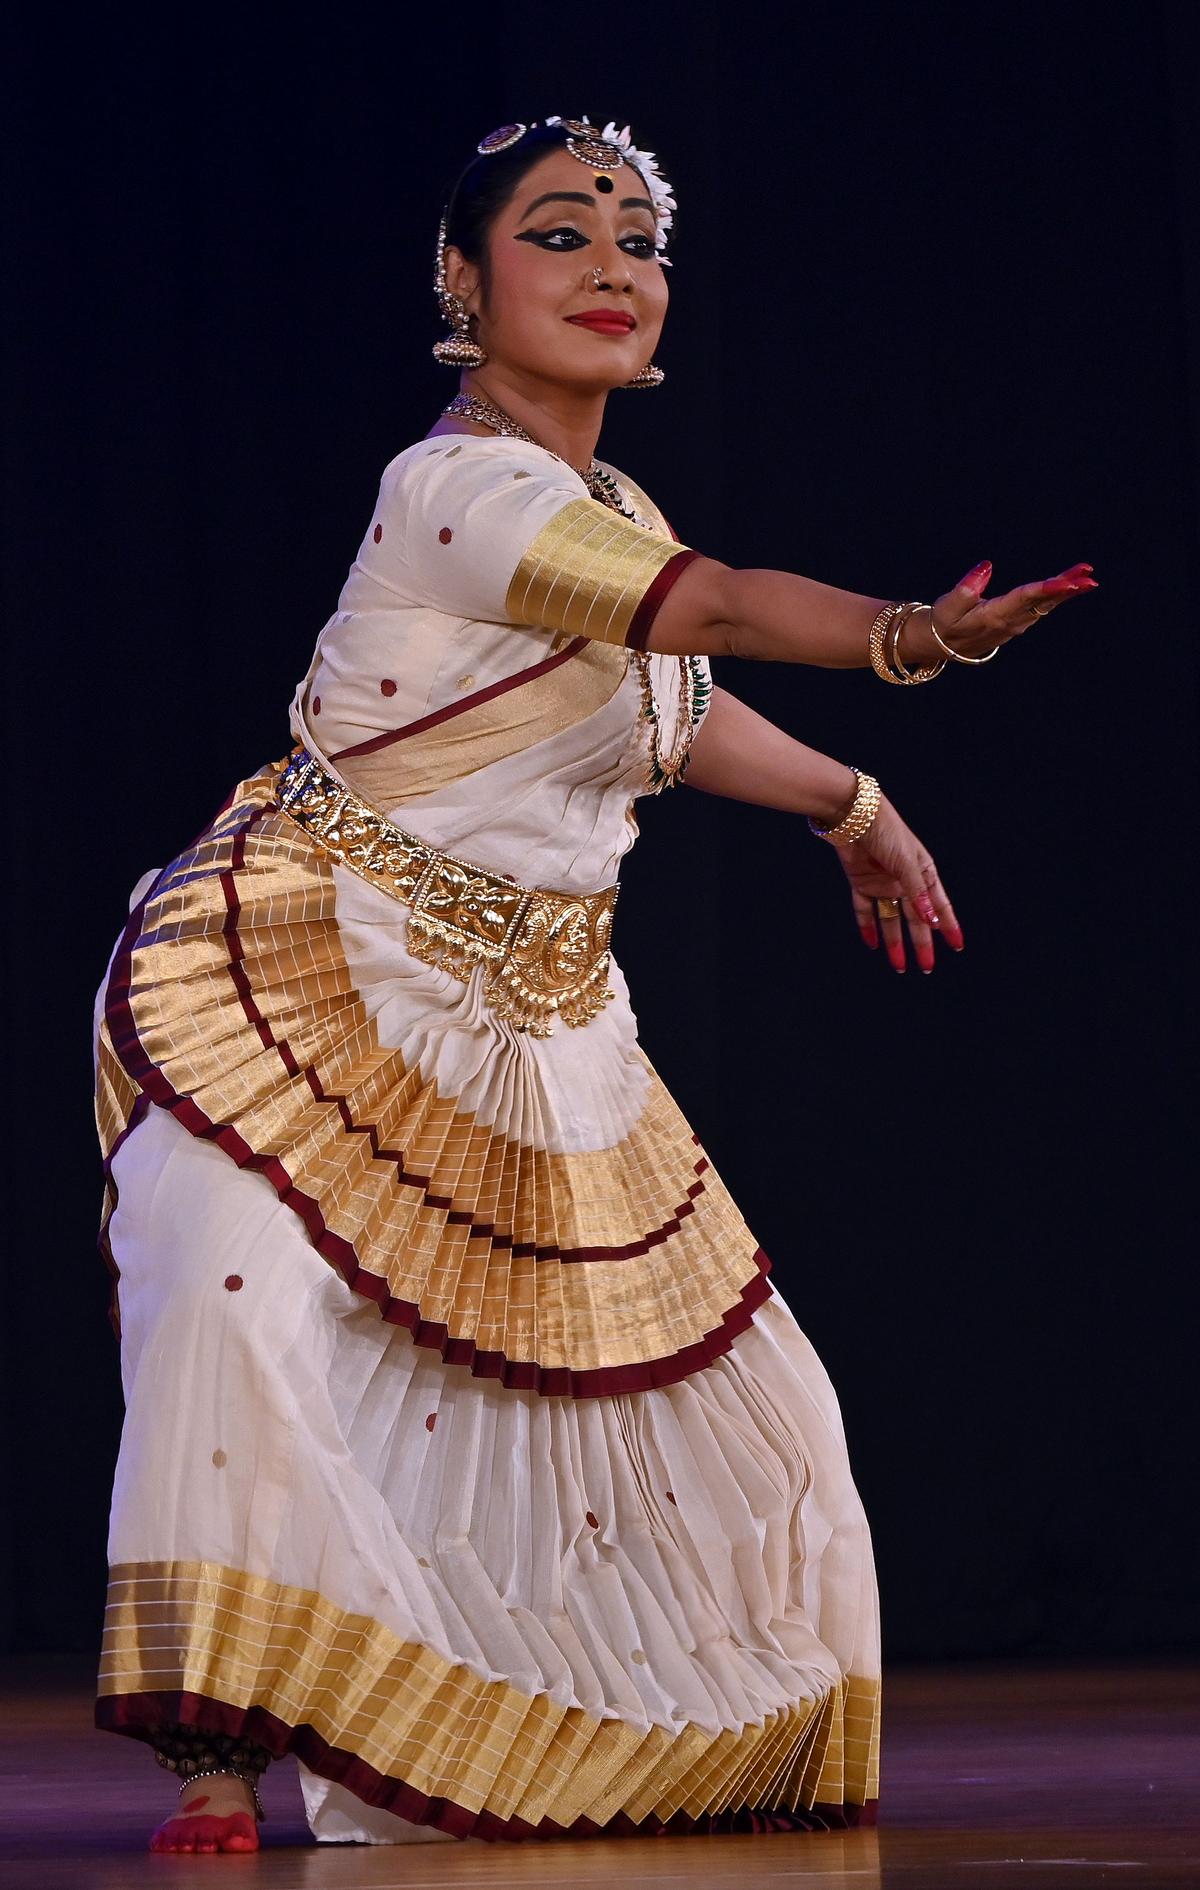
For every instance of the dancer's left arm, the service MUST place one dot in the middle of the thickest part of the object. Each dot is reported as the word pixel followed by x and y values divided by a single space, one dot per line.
pixel 740 754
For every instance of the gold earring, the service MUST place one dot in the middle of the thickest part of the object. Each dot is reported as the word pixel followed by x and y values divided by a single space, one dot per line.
pixel 456 349
pixel 649 376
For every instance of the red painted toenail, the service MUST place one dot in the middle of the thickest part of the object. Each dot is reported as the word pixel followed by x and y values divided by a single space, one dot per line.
pixel 234 1282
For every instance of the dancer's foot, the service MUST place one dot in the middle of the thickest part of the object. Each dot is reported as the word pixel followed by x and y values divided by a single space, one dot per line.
pixel 214 1814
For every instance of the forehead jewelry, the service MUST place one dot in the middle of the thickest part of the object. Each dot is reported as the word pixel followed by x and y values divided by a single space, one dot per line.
pixel 500 139
pixel 603 151
pixel 588 144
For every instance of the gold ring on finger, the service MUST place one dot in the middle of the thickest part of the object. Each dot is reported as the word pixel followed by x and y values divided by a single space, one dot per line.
pixel 888 908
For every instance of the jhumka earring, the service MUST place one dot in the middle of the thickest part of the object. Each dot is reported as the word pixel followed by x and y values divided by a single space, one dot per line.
pixel 456 349
pixel 649 376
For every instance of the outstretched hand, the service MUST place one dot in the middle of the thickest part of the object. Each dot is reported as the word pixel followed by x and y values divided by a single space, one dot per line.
pixel 890 869
pixel 974 625
pixel 891 874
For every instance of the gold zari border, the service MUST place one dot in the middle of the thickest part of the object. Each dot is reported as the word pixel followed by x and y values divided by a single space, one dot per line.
pixel 231 1003
pixel 586 572
pixel 441 1729
pixel 531 711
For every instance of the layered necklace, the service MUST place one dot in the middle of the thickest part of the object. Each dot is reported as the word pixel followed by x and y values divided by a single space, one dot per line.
pixel 694 685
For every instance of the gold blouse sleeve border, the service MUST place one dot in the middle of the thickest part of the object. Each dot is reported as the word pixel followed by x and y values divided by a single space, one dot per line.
pixel 589 571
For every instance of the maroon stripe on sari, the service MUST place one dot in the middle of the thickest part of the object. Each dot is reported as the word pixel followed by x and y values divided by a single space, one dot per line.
pixel 517 1374
pixel 141 1715
pixel 376 742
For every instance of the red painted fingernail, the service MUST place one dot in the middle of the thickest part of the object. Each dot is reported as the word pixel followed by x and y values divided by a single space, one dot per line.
pixel 925 960
pixel 954 937
pixel 869 936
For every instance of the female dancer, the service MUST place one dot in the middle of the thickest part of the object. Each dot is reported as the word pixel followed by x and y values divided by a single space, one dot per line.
pixel 468 1453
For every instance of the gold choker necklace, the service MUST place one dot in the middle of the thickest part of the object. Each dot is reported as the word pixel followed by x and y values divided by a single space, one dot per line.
pixel 695 687
pixel 599 483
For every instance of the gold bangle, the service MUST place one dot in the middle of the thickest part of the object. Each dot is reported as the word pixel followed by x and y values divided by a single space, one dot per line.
pixel 875 639
pixel 954 655
pixel 926 671
pixel 863 809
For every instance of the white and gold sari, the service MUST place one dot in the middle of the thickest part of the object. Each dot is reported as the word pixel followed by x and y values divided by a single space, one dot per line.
pixel 469 1453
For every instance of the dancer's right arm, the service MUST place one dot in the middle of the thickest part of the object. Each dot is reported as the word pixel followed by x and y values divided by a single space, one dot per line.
pixel 779 617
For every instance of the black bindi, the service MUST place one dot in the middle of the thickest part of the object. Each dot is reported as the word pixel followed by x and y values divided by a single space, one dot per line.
pixel 604 183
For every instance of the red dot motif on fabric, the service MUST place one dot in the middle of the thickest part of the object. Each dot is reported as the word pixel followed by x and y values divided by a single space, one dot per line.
pixel 316 705
pixel 445 535
pixel 431 1420
pixel 377 534
pixel 387 687
pixel 593 1521
pixel 671 1498
pixel 234 1282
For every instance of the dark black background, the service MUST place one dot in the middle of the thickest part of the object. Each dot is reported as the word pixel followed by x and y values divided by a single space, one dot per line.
pixel 934 300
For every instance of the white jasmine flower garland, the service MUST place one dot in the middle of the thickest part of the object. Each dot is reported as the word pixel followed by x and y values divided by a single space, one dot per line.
pixel 646 165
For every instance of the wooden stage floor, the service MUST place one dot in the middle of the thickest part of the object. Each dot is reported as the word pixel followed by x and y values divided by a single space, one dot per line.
pixel 1050 1777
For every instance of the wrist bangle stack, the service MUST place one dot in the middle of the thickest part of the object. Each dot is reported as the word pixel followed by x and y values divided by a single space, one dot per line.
pixel 856 823
pixel 956 656
pixel 884 645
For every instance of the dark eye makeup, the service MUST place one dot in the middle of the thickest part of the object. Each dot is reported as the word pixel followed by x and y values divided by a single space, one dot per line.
pixel 575 239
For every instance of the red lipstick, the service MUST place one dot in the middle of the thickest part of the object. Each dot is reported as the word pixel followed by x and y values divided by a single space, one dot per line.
pixel 609 321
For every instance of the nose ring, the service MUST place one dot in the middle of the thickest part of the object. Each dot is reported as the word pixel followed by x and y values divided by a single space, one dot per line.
pixel 597 275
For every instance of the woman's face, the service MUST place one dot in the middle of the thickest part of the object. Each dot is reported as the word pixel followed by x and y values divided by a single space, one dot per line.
pixel 562 223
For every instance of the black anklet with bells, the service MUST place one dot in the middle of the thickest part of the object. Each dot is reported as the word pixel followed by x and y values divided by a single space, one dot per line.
pixel 192 1753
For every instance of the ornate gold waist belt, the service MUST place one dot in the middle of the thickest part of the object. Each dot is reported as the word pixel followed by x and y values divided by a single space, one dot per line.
pixel 548 951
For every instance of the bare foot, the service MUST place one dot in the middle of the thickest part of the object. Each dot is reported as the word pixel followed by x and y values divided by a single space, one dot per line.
pixel 215 1814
